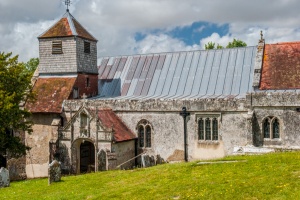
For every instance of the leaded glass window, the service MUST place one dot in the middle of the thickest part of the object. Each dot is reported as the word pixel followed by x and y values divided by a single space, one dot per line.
pixel 275 125
pixel 148 136
pixel 200 129
pixel 271 128
pixel 208 128
pixel 141 136
pixel 144 134
pixel 267 128
pixel 215 129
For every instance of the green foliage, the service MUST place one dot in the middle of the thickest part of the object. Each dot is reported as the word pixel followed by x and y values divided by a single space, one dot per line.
pixel 31 65
pixel 15 89
pixel 233 44
pixel 269 176
pixel 236 43
pixel 210 45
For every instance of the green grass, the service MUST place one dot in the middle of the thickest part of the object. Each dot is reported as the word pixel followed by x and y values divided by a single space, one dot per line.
pixel 270 176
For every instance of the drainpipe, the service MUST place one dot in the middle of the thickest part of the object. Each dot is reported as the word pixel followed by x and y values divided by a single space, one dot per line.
pixel 184 114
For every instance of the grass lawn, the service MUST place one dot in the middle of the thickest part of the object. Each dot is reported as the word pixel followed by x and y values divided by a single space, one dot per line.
pixel 269 176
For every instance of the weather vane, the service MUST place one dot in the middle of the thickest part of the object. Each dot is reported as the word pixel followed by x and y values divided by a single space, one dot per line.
pixel 67 3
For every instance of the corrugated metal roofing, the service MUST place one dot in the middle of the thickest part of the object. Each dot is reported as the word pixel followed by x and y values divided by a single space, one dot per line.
pixel 67 26
pixel 178 75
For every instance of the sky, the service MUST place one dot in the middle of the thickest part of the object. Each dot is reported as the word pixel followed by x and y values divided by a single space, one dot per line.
pixel 126 27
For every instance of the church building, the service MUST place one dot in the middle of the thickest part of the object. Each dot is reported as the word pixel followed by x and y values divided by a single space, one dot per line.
pixel 125 111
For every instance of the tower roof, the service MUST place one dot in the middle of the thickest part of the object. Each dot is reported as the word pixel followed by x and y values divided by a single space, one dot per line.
pixel 67 26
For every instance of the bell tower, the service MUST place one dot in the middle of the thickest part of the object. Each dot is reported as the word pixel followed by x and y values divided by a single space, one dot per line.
pixel 68 51
pixel 67 48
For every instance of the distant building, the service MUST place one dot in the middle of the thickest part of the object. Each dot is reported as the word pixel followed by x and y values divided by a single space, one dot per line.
pixel 99 117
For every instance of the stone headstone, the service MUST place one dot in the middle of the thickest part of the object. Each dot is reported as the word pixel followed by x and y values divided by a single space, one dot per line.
pixel 152 161
pixel 16 168
pixel 54 172
pixel 102 160
pixel 112 160
pixel 159 160
pixel 4 177
pixel 146 160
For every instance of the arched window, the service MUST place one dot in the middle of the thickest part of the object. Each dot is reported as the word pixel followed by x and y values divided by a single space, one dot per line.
pixel 148 136
pixel 271 128
pixel 208 128
pixel 144 134
pixel 141 136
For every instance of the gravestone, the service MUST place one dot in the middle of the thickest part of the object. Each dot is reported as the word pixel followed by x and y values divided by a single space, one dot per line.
pixel 54 172
pixel 102 160
pixel 4 177
pixel 152 161
pixel 16 168
pixel 145 160
pixel 112 160
pixel 159 160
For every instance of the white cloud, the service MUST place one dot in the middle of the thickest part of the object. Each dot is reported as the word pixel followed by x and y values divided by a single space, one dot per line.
pixel 115 23
pixel 162 43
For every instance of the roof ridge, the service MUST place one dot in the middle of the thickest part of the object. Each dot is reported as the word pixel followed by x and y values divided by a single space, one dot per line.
pixel 282 43
pixel 172 52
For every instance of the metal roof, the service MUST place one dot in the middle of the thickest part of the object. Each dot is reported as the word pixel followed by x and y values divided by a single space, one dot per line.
pixel 220 73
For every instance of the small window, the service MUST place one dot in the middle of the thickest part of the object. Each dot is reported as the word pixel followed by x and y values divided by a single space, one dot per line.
pixel 144 134
pixel 271 128
pixel 57 47
pixel 75 93
pixel 83 123
pixel 208 128
pixel 87 47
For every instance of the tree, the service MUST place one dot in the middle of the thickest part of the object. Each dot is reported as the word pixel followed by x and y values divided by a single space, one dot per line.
pixel 15 89
pixel 32 64
pixel 233 44
pixel 236 43
pixel 211 45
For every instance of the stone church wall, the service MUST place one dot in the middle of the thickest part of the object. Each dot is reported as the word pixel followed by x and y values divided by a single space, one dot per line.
pixel 44 130
pixel 167 135
pixel 124 151
pixel 284 107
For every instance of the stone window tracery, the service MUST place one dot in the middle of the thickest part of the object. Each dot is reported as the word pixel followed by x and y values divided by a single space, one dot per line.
pixel 144 134
pixel 271 128
pixel 208 128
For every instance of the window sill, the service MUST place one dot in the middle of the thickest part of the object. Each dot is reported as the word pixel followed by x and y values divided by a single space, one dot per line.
pixel 209 142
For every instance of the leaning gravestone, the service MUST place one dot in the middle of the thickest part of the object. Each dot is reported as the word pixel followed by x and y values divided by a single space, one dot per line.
pixel 4 177
pixel 54 172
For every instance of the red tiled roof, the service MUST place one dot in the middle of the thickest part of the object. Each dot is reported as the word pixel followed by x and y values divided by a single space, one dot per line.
pixel 281 66
pixel 60 29
pixel 65 27
pixel 51 92
pixel 110 120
